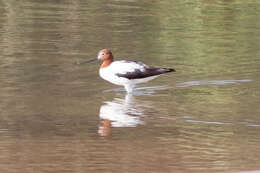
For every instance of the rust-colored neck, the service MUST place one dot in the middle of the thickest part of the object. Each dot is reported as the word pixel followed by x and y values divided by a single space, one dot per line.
pixel 107 62
pixel 105 128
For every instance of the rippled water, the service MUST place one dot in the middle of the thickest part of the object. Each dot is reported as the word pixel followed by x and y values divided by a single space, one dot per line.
pixel 60 117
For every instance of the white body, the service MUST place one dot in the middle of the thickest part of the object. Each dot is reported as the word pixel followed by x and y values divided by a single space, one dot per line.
pixel 122 113
pixel 122 67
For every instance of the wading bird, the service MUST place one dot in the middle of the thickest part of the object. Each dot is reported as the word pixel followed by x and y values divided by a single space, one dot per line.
pixel 126 73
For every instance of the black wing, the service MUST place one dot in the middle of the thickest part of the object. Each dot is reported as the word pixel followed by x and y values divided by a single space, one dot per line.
pixel 146 72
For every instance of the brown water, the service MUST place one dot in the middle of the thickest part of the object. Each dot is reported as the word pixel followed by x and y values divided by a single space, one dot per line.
pixel 60 117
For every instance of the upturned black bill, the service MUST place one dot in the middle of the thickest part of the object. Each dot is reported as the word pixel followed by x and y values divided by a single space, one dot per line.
pixel 85 62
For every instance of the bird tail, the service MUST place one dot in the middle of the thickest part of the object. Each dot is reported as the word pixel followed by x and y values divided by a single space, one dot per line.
pixel 167 70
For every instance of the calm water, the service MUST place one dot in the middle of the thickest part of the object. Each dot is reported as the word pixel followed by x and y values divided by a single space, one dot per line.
pixel 60 117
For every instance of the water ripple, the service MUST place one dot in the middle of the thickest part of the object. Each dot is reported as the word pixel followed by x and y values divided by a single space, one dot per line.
pixel 212 82
pixel 190 120
pixel 141 91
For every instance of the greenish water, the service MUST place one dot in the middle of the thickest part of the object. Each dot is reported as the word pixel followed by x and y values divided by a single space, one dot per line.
pixel 56 116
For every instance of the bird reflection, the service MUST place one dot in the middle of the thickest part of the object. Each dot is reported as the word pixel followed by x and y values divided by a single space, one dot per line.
pixel 119 113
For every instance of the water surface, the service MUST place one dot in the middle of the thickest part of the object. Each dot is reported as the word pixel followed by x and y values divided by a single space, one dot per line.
pixel 60 117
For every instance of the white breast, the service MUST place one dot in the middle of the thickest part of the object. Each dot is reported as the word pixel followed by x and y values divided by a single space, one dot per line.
pixel 109 73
